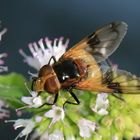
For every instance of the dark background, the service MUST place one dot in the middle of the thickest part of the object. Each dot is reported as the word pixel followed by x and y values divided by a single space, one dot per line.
pixel 28 21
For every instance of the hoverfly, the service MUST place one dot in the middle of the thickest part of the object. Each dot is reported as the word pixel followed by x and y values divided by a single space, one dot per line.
pixel 81 67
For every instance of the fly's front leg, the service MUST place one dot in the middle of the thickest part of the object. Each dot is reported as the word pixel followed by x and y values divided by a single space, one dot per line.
pixel 33 80
pixel 54 59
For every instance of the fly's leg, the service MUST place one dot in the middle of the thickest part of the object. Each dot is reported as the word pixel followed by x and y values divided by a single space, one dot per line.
pixel 33 80
pixel 54 59
pixel 118 97
pixel 77 102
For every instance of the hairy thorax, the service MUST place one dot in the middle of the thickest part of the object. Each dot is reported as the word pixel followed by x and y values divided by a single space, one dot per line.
pixel 70 72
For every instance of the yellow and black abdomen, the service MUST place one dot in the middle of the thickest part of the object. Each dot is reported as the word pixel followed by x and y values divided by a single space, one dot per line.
pixel 122 81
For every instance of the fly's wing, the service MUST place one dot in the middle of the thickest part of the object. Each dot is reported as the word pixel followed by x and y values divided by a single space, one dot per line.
pixel 94 49
pixel 122 81
pixel 103 42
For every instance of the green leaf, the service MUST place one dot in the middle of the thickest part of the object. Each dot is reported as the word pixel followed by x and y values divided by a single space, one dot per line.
pixel 12 88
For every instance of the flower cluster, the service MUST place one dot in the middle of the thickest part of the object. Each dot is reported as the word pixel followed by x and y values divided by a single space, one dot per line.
pixel 4 113
pixel 99 116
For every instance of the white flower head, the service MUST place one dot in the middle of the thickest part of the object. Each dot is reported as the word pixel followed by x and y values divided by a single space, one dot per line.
pixel 4 113
pixel 86 127
pixel 43 51
pixel 28 125
pixel 33 101
pixel 101 105
pixel 56 113
pixel 56 135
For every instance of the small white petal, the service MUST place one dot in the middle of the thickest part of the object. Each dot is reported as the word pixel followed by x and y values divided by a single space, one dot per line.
pixel 33 62
pixel 102 112
pixel 38 119
pixel 20 123
pixel 2 33
pixel 34 101
pixel 56 135
pixel 3 68
pixel 27 100
pixel 50 114
pixel 32 74
pixel 86 127
pixel 50 99
pixel 28 125
pixel 28 129
pixel 102 104
pixel 84 132
pixel 42 54
pixel 56 113
pixel 37 102
pixel 33 93
pixel 2 103
pixel 3 55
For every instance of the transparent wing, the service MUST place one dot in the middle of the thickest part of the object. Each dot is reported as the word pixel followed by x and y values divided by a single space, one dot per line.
pixel 102 43
pixel 122 81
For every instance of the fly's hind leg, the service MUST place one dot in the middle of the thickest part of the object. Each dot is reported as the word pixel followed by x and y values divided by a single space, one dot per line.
pixel 118 96
pixel 77 102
